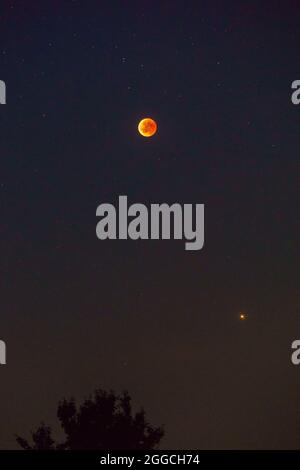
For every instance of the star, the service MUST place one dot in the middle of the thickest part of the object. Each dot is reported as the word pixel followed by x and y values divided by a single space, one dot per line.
pixel 242 316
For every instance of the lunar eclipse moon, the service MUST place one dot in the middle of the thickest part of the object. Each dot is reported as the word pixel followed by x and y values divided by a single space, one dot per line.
pixel 147 127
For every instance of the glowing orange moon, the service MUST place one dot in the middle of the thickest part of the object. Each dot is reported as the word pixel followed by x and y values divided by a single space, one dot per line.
pixel 147 127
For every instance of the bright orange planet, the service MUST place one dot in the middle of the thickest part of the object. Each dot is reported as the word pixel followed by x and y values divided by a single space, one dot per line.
pixel 147 127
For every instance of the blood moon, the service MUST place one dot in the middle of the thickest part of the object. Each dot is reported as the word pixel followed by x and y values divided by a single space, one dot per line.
pixel 147 127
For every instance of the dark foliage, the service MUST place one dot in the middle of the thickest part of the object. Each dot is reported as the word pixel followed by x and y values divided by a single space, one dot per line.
pixel 104 421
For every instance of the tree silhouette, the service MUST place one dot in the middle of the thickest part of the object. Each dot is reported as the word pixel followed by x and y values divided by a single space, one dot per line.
pixel 42 439
pixel 104 421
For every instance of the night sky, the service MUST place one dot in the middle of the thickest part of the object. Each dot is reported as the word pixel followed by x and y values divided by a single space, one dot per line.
pixel 79 313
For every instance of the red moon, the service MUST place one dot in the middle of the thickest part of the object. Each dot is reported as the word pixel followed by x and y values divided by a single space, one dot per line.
pixel 147 127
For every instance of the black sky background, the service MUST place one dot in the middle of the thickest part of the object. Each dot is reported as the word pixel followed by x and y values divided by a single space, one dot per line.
pixel 148 316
